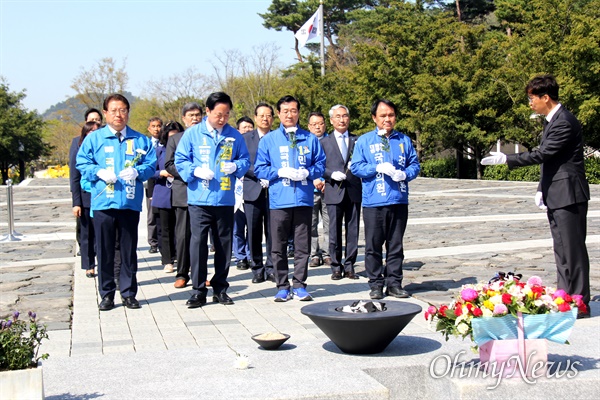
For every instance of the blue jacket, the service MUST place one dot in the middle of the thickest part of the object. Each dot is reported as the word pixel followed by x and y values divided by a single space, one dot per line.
pixel 102 150
pixel 274 152
pixel 379 189
pixel 198 148
pixel 161 195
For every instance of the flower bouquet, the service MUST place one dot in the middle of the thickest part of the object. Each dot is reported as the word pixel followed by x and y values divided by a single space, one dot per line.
pixel 20 342
pixel 506 315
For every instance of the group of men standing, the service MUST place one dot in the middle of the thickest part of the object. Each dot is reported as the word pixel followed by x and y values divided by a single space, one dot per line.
pixel 284 170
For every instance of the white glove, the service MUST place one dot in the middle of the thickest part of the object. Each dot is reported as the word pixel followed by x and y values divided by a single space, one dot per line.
pixel 128 174
pixel 300 174
pixel 496 158
pixel 264 183
pixel 170 179
pixel 228 167
pixel 338 176
pixel 539 201
pixel 204 173
pixel 399 175
pixel 286 172
pixel 106 175
pixel 386 168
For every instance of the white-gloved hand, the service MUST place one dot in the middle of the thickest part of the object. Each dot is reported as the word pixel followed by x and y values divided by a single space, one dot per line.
pixel 539 201
pixel 264 183
pixel 300 174
pixel 496 158
pixel 106 175
pixel 128 174
pixel 204 173
pixel 286 172
pixel 170 179
pixel 228 167
pixel 386 168
pixel 338 176
pixel 399 175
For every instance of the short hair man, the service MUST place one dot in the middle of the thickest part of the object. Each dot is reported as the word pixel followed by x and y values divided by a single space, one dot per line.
pixel 256 199
pixel 318 254
pixel 386 161
pixel 343 194
pixel 563 190
pixel 290 158
pixel 153 220
pixel 191 114
pixel 116 199
pixel 210 157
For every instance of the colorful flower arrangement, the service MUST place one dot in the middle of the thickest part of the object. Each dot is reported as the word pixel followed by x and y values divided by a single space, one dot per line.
pixel 504 295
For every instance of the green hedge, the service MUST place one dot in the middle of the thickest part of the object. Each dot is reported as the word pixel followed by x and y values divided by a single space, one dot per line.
pixel 446 168
pixel 592 169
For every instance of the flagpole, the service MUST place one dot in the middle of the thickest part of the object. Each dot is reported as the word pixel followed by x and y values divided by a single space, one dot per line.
pixel 322 39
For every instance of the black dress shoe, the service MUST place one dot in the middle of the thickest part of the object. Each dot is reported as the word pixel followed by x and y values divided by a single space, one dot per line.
pixel 222 298
pixel 376 294
pixel 106 304
pixel 131 302
pixel 153 250
pixel 271 277
pixel 336 276
pixel 197 300
pixel 258 279
pixel 243 264
pixel 350 275
pixel 397 292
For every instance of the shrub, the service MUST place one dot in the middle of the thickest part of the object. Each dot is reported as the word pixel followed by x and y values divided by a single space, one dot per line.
pixel 446 168
pixel 20 342
pixel 592 169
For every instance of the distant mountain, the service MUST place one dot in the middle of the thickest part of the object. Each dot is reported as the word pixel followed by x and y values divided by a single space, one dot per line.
pixel 73 109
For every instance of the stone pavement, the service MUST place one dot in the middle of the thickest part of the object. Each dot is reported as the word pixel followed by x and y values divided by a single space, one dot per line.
pixel 459 232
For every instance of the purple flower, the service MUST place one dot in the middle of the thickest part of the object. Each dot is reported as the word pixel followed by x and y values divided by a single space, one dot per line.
pixel 500 309
pixel 15 314
pixel 468 294
pixel 8 324
pixel 32 315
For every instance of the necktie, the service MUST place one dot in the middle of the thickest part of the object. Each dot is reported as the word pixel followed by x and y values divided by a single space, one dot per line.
pixel 216 133
pixel 343 147
pixel 119 135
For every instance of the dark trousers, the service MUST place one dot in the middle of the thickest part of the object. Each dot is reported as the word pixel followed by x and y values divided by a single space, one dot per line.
pixel 167 235
pixel 240 243
pixel 86 240
pixel 385 224
pixel 106 224
pixel 348 212
pixel 257 217
pixel 153 225
pixel 569 229
pixel 220 221
pixel 294 221
pixel 183 235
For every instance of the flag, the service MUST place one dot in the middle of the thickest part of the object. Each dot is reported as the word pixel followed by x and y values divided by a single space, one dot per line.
pixel 309 30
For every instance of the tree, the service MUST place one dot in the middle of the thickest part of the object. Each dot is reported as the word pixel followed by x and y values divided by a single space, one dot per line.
pixel 59 134
pixel 93 85
pixel 20 133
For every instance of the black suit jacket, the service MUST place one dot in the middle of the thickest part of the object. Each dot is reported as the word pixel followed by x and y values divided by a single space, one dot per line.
pixel 179 188
pixel 562 180
pixel 252 188
pixel 335 162
pixel 80 197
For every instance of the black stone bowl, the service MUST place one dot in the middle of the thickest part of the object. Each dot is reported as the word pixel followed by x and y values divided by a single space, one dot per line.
pixel 273 344
pixel 361 333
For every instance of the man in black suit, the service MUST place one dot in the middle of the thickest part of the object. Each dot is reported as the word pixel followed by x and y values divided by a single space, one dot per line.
pixel 343 194
pixel 256 199
pixel 153 220
pixel 191 114
pixel 563 189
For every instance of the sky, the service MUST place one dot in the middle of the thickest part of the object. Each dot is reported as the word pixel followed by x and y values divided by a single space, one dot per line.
pixel 44 44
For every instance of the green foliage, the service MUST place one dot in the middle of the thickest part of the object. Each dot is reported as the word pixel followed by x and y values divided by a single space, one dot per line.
pixel 446 168
pixel 592 169
pixel 496 173
pixel 20 342
pixel 20 132
pixel 530 173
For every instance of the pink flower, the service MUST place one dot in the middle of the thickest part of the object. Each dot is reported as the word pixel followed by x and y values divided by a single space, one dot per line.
pixel 578 299
pixel 506 298
pixel 564 307
pixel 500 309
pixel 468 294
pixel 559 293
pixel 432 310
pixel 534 281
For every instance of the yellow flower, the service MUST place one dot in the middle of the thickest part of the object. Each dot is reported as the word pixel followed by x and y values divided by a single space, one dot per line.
pixel 488 304
pixel 559 301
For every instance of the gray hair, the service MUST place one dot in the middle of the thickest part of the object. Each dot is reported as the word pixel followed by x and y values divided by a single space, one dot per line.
pixel 336 107
pixel 189 107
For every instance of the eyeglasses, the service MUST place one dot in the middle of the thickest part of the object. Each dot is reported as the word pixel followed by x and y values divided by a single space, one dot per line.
pixel 532 97
pixel 116 111
pixel 338 117
pixel 286 112
pixel 317 124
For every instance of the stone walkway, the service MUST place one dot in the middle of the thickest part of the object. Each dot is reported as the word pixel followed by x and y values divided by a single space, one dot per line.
pixel 459 232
